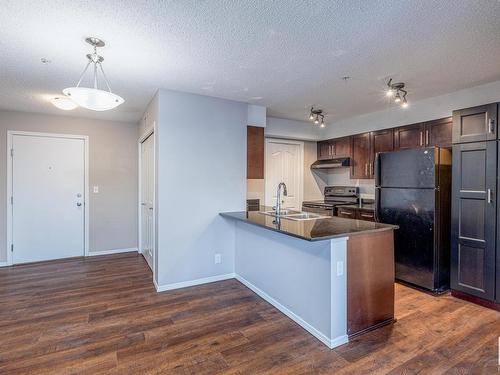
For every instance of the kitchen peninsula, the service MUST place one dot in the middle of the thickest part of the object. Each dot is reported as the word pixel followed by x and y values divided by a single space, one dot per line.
pixel 333 276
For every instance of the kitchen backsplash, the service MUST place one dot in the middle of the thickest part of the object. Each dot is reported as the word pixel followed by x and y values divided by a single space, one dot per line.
pixel 341 176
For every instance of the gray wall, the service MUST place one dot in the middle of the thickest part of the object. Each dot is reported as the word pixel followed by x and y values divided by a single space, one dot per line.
pixel 113 167
pixel 201 164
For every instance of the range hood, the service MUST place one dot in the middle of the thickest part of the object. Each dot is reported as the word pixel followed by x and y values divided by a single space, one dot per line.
pixel 331 163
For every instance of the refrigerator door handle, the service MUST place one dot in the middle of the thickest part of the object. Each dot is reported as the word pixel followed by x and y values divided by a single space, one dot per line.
pixel 489 196
pixel 377 204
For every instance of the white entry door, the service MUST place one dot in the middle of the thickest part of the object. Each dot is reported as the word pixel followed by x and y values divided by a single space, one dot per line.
pixel 284 163
pixel 48 198
pixel 147 199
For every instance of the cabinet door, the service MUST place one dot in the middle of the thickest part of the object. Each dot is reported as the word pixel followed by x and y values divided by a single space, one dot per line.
pixel 475 124
pixel 365 215
pixel 324 150
pixel 438 132
pixel 348 213
pixel 343 147
pixel 473 219
pixel 360 160
pixel 381 141
pixel 411 136
pixel 255 152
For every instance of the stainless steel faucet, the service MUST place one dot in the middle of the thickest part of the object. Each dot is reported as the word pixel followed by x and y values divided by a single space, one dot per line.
pixel 278 197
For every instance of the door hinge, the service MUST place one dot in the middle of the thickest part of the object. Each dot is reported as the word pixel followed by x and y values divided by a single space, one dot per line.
pixel 12 248
pixel 11 200
pixel 11 152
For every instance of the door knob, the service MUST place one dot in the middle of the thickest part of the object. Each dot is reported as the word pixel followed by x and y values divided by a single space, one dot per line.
pixel 79 204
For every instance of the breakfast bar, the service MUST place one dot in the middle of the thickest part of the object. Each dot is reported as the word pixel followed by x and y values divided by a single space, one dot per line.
pixel 333 276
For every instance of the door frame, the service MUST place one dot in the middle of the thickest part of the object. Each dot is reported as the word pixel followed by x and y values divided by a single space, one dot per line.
pixel 301 161
pixel 142 138
pixel 9 206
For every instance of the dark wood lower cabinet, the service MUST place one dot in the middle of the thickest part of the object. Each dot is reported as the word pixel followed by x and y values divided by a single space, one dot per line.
pixel 370 281
pixel 474 219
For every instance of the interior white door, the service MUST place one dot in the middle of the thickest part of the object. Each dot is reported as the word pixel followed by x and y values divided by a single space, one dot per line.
pixel 48 190
pixel 147 199
pixel 284 163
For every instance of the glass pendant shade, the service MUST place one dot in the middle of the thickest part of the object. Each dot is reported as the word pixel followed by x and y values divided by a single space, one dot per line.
pixel 93 99
pixel 64 103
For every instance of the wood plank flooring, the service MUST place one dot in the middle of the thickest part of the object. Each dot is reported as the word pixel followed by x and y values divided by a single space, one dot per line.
pixel 101 315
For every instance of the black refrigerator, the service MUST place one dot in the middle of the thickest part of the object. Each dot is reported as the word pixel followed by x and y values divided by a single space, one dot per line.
pixel 413 191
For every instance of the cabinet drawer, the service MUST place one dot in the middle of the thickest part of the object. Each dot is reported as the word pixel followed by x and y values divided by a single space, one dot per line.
pixel 346 212
pixel 365 215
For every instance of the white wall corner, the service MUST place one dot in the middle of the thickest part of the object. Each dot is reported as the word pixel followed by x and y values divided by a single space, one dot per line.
pixel 257 115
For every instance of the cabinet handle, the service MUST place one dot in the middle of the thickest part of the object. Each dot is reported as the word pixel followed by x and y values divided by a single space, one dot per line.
pixel 491 125
pixel 366 169
pixel 346 213
pixel 369 216
pixel 372 172
pixel 489 196
pixel 427 137
pixel 421 139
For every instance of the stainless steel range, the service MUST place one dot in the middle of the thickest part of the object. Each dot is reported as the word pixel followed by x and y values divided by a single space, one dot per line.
pixel 334 196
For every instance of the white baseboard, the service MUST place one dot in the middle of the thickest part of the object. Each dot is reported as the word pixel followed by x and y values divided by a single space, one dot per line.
pixel 114 251
pixel 331 343
pixel 185 284
pixel 4 264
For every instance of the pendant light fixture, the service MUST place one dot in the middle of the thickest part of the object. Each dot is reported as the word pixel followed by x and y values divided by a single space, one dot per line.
pixel 94 98
pixel 64 103
pixel 317 115
pixel 397 92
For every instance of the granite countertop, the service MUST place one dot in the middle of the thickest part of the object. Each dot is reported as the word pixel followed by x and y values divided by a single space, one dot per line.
pixel 310 230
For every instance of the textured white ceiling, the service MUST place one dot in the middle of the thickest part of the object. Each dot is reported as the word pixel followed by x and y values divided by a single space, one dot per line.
pixel 285 55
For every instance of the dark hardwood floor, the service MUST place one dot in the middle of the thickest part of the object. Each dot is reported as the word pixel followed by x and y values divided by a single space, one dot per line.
pixel 102 315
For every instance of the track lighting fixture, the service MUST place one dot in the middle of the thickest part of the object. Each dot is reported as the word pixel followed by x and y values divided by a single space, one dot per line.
pixel 397 91
pixel 317 116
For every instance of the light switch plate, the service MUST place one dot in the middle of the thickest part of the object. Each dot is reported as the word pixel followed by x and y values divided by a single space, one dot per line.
pixel 96 189
pixel 218 258
pixel 340 268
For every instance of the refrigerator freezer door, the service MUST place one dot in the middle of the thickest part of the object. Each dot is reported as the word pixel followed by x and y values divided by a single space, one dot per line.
pixel 413 211
pixel 407 169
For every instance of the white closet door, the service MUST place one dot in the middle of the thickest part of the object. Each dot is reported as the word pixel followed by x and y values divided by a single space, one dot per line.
pixel 147 199
pixel 48 212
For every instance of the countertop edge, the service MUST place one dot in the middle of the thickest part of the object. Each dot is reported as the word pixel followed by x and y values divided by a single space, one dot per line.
pixel 228 215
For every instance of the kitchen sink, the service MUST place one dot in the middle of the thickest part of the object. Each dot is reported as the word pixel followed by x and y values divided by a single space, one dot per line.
pixel 294 215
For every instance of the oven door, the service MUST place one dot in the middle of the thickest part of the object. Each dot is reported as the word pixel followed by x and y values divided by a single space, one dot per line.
pixel 318 209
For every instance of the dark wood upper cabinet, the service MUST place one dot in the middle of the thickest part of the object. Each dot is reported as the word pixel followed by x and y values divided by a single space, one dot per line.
pixel 410 136
pixel 342 147
pixel 380 141
pixel 473 219
pixel 475 124
pixel 324 150
pixel 255 152
pixel 439 132
pixel 360 156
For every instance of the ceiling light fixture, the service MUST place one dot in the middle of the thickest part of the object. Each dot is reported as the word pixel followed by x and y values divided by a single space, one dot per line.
pixel 64 103
pixel 397 91
pixel 317 116
pixel 94 98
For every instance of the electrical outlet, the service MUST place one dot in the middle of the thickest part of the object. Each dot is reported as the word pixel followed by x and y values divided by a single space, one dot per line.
pixel 340 268
pixel 96 189
pixel 217 258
